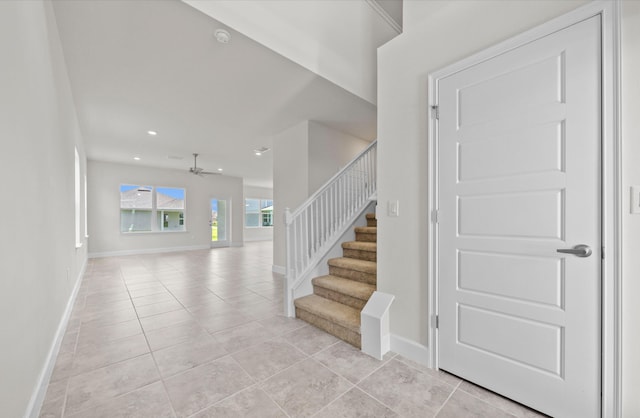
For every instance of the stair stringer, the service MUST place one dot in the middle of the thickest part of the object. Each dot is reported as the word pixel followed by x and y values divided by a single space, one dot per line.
pixel 304 287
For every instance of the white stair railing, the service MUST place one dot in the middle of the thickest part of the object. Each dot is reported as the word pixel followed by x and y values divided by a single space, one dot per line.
pixel 314 227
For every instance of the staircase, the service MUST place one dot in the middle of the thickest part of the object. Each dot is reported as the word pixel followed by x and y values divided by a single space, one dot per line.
pixel 339 297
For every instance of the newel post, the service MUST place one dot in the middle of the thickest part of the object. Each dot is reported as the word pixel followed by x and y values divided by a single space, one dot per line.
pixel 289 280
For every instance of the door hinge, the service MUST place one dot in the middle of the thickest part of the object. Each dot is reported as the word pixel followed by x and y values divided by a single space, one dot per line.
pixel 602 253
pixel 434 216
pixel 435 112
pixel 437 321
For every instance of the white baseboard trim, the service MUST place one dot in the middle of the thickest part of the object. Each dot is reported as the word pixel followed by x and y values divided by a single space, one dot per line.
pixel 278 269
pixel 149 251
pixel 410 349
pixel 37 398
pixel 258 239
pixel 236 244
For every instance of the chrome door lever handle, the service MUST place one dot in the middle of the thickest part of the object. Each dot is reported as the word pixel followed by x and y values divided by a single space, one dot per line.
pixel 579 250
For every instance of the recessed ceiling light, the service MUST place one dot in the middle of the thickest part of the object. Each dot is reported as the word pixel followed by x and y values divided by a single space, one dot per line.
pixel 259 151
pixel 152 133
pixel 136 158
pixel 222 36
pixel 219 169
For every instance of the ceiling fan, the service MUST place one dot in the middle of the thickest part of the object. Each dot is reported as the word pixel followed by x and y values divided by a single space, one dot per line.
pixel 197 170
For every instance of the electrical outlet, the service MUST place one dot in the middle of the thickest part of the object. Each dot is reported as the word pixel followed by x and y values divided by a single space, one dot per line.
pixel 635 199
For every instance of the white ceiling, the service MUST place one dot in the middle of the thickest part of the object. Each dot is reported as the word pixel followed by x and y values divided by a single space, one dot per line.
pixel 336 39
pixel 136 66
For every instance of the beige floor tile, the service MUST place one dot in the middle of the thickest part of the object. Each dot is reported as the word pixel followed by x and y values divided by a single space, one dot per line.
pixel 245 300
pixel 250 403
pixel 356 403
pixel 442 375
pixel 158 308
pixel 462 404
pixel 262 309
pixel 202 386
pixel 69 341
pixel 174 334
pixel 90 335
pixel 242 336
pixel 62 368
pixel 52 408
pixel 310 339
pixel 152 299
pixel 224 320
pixel 148 291
pixel 56 390
pixel 498 401
pixel 348 361
pixel 196 299
pixel 101 319
pixel 407 391
pixel 280 324
pixel 305 388
pixel 224 289
pixel 104 308
pixel 252 327
pixel 189 354
pixel 93 388
pixel 166 319
pixel 94 356
pixel 143 283
pixel 212 309
pixel 147 402
pixel 266 359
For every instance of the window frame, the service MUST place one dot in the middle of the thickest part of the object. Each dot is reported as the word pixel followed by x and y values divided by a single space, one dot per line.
pixel 259 213
pixel 156 214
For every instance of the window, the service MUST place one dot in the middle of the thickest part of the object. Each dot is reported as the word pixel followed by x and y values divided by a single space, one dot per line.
pixel 258 213
pixel 140 205
pixel 170 209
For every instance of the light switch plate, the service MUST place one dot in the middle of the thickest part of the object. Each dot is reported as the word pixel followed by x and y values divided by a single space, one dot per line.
pixel 393 208
pixel 635 199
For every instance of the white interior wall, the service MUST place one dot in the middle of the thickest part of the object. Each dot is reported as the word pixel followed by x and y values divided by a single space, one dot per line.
pixel 630 222
pixel 436 33
pixel 304 158
pixel 290 182
pixel 104 180
pixel 258 234
pixel 39 263
pixel 329 151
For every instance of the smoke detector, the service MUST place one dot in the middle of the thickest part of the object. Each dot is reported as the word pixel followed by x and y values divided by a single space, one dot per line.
pixel 222 36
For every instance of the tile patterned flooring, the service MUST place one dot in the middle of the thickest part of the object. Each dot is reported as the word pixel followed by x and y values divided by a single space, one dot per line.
pixel 201 334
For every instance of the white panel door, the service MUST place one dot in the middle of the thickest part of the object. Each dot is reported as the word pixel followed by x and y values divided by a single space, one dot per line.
pixel 518 179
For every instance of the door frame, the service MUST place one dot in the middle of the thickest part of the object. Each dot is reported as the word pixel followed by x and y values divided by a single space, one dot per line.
pixel 610 178
pixel 227 242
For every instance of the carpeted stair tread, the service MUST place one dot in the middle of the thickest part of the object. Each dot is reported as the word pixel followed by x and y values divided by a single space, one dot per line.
pixel 344 286
pixel 371 219
pixel 329 310
pixel 366 229
pixel 360 245
pixel 354 264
